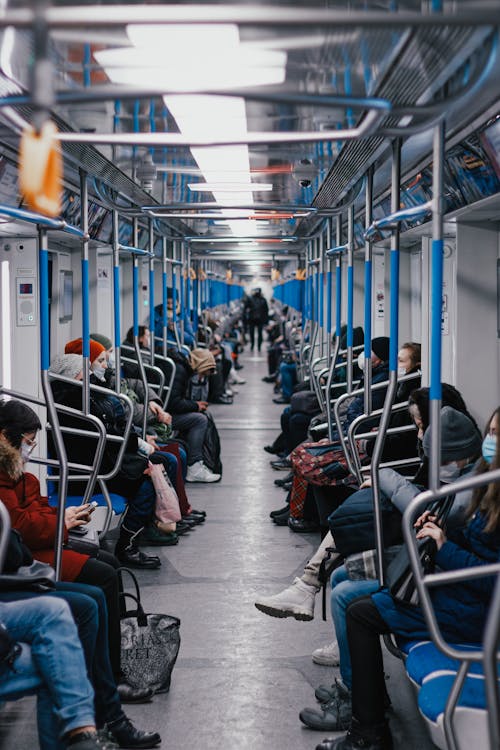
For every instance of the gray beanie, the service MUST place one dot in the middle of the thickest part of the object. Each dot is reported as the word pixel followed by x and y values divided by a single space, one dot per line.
pixel 460 437
pixel 102 339
pixel 68 365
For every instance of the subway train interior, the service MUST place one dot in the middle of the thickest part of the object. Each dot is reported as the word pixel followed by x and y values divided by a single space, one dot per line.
pixel 250 375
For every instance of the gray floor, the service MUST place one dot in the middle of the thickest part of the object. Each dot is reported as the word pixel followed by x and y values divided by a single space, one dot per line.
pixel 241 677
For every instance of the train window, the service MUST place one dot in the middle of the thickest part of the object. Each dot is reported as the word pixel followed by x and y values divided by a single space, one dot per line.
pixel 65 296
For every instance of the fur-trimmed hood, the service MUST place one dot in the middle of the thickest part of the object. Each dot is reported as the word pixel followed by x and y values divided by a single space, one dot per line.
pixel 11 462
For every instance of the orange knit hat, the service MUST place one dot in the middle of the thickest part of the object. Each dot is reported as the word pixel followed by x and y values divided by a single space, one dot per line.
pixel 76 347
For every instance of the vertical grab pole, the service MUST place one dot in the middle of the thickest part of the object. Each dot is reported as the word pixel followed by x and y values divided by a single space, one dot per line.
pixel 164 287
pixel 436 303
pixel 43 259
pixel 151 268
pixel 329 292
pixel 182 281
pixel 135 319
pixel 116 300
pixel 174 294
pixel 84 223
pixel 338 325
pixel 350 293
pixel 393 361
pixel 368 295
pixel 321 271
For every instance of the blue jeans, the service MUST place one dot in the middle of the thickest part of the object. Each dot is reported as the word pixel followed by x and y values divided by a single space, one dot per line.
pixel 344 591
pixel 88 607
pixel 288 374
pixel 53 667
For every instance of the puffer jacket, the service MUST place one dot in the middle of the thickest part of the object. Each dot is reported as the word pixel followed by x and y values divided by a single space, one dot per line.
pixel 179 401
pixel 31 515
pixel 461 609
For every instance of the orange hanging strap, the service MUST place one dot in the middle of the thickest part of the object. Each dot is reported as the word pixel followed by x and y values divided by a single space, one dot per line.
pixel 41 169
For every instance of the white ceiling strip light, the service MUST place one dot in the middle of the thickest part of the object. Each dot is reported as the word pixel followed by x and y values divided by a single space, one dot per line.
pixel 201 58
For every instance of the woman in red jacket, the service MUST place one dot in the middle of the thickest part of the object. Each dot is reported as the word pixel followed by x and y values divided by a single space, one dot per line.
pixel 36 521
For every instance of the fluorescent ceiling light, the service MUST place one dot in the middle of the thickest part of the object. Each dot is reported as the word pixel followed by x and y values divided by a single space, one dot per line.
pixel 212 58
pixel 228 187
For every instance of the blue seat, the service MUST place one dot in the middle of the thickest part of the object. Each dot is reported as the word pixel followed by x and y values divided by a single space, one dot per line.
pixel 407 646
pixel 470 718
pixel 118 502
pixel 425 659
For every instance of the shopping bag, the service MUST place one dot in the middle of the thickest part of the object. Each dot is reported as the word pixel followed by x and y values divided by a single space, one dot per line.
pixel 149 644
pixel 167 502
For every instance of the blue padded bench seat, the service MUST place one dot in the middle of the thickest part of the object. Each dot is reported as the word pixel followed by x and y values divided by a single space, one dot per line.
pixel 407 646
pixel 425 660
pixel 470 719
pixel 118 502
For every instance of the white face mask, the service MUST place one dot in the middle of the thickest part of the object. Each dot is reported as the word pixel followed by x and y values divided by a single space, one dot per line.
pixel 111 360
pixel 98 371
pixel 449 472
pixel 401 372
pixel 361 361
pixel 26 451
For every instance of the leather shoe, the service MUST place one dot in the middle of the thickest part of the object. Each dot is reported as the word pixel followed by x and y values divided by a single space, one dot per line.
pixel 282 464
pixel 270 449
pixel 129 694
pixel 222 400
pixel 281 400
pixel 285 480
pixel 282 520
pixel 270 378
pixel 193 520
pixel 279 512
pixel 200 513
pixel 132 557
pixel 124 732
pixel 302 526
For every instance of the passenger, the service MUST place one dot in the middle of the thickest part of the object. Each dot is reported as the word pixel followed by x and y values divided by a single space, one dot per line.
pixel 460 446
pixel 298 599
pixel 460 610
pixel 188 416
pixel 257 315
pixel 130 481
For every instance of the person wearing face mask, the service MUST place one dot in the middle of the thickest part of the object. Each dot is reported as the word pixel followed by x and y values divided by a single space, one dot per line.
pixel 460 609
pixel 97 357
pixel 380 373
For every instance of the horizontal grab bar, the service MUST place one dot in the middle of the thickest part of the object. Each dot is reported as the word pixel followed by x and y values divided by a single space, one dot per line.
pixel 391 220
pixel 337 250
pixel 134 250
pixel 33 218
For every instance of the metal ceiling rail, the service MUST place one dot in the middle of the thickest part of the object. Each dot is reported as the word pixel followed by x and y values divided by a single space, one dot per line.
pixel 134 251
pixel 334 251
pixel 98 16
pixel 252 206
pixel 365 129
pixel 21 214
pixel 392 220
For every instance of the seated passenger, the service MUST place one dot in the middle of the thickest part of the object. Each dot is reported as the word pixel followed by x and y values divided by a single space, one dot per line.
pixel 460 446
pixel 130 481
pixel 460 609
pixel 188 416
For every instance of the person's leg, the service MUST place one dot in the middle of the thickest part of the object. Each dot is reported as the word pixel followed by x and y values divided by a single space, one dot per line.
pixel 251 330
pixel 328 499
pixel 193 427
pixel 298 426
pixel 47 625
pixel 169 461
pixel 345 591
pixel 287 372
pixel 364 628
pixel 97 573
pixel 260 326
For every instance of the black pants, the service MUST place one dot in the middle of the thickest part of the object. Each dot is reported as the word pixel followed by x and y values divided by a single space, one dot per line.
pixel 364 628
pixel 259 327
pixel 101 571
pixel 294 427
pixel 329 498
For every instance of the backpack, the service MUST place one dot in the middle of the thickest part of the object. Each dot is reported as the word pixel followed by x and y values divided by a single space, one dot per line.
pixel 320 463
pixel 211 447
pixel 353 528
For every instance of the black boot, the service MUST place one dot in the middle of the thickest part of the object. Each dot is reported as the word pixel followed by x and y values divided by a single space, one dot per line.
pixel 129 554
pixel 358 737
pixel 126 735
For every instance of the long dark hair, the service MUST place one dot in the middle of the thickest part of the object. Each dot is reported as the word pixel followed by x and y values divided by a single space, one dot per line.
pixel 16 418
pixel 451 397
pixel 487 497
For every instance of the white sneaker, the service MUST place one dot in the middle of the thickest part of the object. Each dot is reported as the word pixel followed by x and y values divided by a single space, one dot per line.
pixel 235 379
pixel 295 601
pixel 198 472
pixel 328 656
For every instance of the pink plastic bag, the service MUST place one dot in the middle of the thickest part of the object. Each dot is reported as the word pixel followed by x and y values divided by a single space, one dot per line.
pixel 167 502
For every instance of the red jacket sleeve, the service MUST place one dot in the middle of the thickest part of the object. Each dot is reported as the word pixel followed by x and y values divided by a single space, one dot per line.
pixel 30 513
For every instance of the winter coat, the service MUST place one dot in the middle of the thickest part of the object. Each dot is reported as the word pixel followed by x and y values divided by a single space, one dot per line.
pixel 461 609
pixel 357 405
pixel 179 401
pixel 81 449
pixel 31 514
pixel 258 309
pixel 134 389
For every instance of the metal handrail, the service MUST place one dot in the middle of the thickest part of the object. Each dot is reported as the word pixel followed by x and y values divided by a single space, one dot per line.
pixel 392 220
pixel 21 214
pixel 425 582
pixel 4 533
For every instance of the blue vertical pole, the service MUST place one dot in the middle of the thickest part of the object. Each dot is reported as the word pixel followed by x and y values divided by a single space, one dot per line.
pixel 152 327
pixel 84 223
pixel 350 295
pixel 164 296
pixel 368 296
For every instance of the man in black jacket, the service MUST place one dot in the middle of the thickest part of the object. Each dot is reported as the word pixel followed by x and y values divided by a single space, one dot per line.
pixel 258 316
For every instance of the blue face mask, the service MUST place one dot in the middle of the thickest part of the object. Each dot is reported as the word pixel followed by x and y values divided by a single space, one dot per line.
pixel 489 448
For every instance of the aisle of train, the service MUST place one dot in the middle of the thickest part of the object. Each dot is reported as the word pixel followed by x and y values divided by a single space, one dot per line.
pixel 241 677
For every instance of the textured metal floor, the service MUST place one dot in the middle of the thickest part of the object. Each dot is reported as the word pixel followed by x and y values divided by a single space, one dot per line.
pixel 241 677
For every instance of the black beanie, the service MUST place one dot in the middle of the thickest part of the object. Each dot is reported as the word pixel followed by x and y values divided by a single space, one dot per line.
pixel 380 347
pixel 460 437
